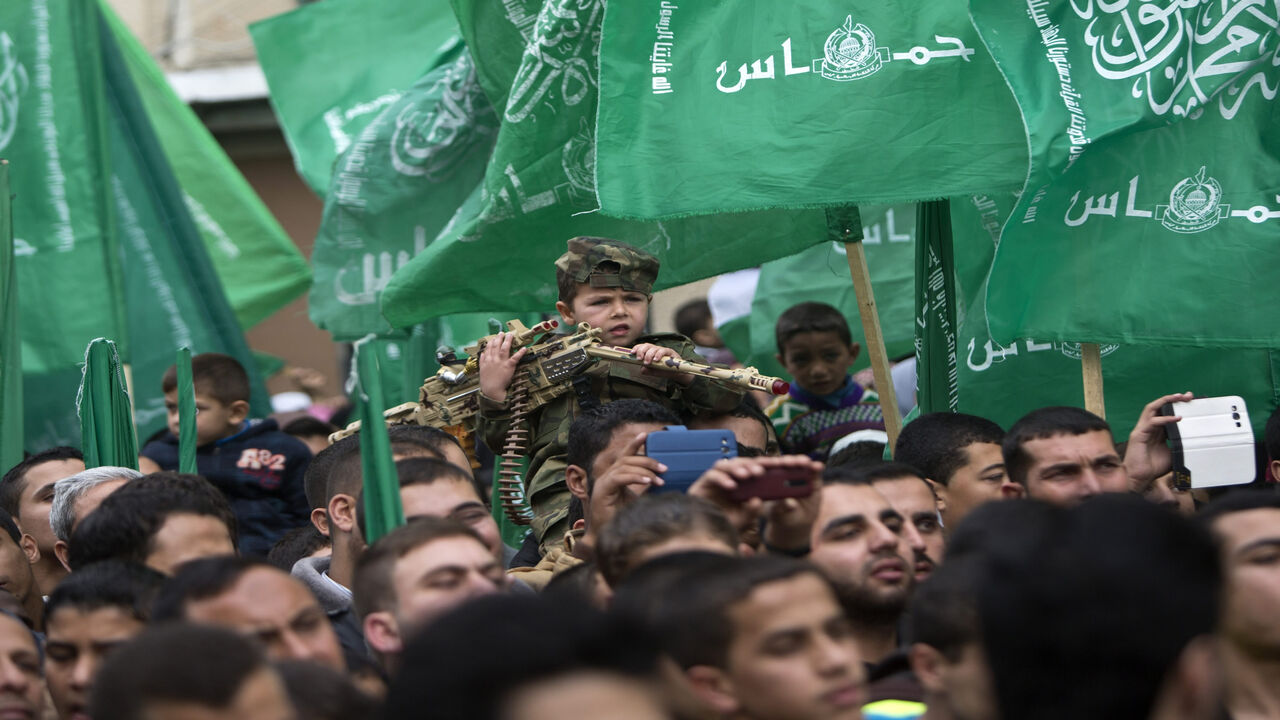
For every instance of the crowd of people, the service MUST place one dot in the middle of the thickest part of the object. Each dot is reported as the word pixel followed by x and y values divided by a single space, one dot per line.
pixel 1041 572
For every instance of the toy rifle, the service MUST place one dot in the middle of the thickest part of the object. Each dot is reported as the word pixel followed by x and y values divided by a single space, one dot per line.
pixel 450 399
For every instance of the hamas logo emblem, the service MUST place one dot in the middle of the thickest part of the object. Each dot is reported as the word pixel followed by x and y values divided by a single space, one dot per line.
pixel 13 83
pixel 1073 351
pixel 851 53
pixel 1194 205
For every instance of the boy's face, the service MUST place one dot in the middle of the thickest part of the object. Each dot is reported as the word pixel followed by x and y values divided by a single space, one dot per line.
pixel 793 656
pixel 620 313
pixel 819 361
pixel 214 420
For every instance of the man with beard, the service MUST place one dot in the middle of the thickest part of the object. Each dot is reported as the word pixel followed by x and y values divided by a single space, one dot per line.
pixel 858 541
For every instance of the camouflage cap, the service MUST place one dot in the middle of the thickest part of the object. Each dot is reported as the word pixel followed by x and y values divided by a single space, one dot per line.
pixel 636 271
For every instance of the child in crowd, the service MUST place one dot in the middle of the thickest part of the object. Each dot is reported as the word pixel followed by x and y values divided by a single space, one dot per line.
pixel 694 321
pixel 256 466
pixel 825 403
pixel 606 284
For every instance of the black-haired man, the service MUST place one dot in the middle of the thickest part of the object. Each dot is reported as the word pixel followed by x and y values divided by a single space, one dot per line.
pixel 913 497
pixel 26 493
pixel 21 669
pixel 960 454
pixel 18 554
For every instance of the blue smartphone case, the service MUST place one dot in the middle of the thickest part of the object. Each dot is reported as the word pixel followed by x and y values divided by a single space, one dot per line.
pixel 688 453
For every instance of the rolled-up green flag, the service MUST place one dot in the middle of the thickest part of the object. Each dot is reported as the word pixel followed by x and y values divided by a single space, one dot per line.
pixel 383 511
pixel 106 419
pixel 186 413
pixel 10 341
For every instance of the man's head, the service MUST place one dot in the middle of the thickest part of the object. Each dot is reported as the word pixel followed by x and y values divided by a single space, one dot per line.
pixel 606 284
pixel 1063 455
pixel 17 552
pixel 913 497
pixel 26 492
pixel 573 662
pixel 435 488
pixel 1116 599
pixel 181 672
pixel 946 643
pixel 657 525
pixel 597 438
pixel 160 521
pixel 751 427
pixel 91 613
pixel 222 396
pixel 415 574
pixel 815 346
pixel 76 496
pixel 1246 524
pixel 858 541
pixel 21 669
pixel 961 454
pixel 693 320
pixel 312 431
pixel 763 638
pixel 254 599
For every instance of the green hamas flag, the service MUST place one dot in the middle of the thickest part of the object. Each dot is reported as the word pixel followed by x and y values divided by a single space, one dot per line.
pixel 821 274
pixel 334 66
pixel 106 420
pixel 1003 382
pixel 537 61
pixel 10 340
pixel 1153 203
pixel 258 265
pixel 935 324
pixel 395 189
pixel 806 103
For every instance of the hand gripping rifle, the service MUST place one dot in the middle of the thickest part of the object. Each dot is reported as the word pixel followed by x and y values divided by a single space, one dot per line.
pixel 450 399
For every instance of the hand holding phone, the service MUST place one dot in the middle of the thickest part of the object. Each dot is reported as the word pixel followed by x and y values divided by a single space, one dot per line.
pixel 1212 444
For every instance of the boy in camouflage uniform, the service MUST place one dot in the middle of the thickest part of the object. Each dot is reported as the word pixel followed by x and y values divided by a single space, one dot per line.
pixel 606 284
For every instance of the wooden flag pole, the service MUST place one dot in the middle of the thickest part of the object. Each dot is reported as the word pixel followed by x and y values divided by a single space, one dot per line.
pixel 874 336
pixel 1091 365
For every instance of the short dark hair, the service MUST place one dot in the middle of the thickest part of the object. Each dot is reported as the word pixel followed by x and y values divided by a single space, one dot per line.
pixel 425 471
pixel 343 473
pixel 319 692
pixel 868 473
pixel 125 525
pixel 219 376
pixel 9 526
pixel 746 408
pixel 371 588
pixel 993 524
pixel 424 436
pixel 937 442
pixel 462 667
pixel 592 431
pixel 692 317
pixel 200 580
pixel 199 664
pixel 944 608
pixel 296 544
pixel 810 317
pixel 1239 500
pixel 129 586
pixel 1040 424
pixel 315 480
pixel 651 520
pixel 14 482
pixel 1104 600
pixel 308 426
pixel 694 621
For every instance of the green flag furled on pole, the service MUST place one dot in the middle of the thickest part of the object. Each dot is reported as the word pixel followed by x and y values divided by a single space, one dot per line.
pixel 106 418
pixel 257 263
pixel 935 325
pixel 1003 382
pixel 757 103
pixel 383 511
pixel 537 63
pixel 186 413
pixel 334 66
pixel 10 340
pixel 1152 207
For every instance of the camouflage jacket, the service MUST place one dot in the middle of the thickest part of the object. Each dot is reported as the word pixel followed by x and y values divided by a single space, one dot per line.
pixel 549 425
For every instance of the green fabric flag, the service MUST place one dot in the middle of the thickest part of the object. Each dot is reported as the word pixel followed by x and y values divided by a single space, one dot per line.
pixel 935 325
pixel 395 189
pixel 186 413
pixel 497 253
pixel 821 274
pixel 1152 206
pixel 10 338
pixel 334 66
pixel 1003 382
pixel 106 419
pixel 260 268
pixel 758 103
pixel 383 511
